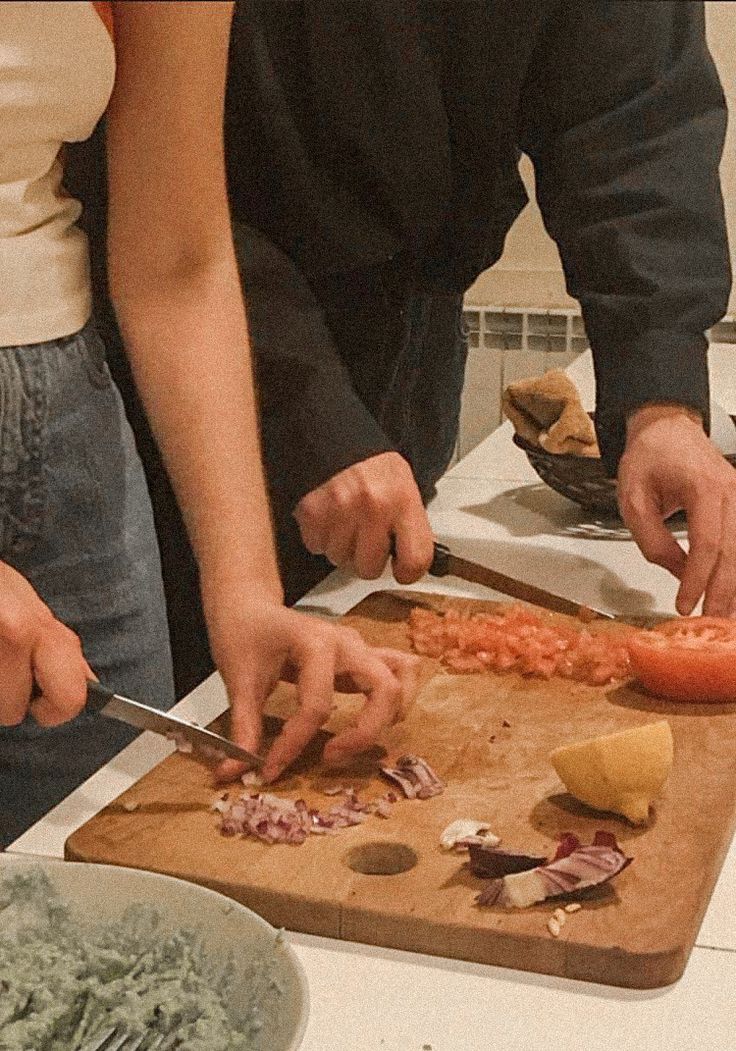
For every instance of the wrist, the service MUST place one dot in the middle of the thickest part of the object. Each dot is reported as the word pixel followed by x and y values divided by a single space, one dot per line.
pixel 654 412
pixel 220 585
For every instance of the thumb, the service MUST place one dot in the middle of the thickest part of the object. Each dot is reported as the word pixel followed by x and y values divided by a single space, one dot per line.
pixel 413 547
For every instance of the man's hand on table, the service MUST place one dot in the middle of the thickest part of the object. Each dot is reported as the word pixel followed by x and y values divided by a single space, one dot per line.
pixel 256 641
pixel 42 669
pixel 353 516
pixel 670 465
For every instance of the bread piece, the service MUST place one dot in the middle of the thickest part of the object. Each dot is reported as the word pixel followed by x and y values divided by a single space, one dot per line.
pixel 547 411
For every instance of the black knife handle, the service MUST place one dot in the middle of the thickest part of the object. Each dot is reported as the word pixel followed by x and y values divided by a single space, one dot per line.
pixel 440 566
pixel 441 561
pixel 98 696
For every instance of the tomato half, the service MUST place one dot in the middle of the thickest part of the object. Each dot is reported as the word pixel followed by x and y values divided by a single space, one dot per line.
pixel 687 659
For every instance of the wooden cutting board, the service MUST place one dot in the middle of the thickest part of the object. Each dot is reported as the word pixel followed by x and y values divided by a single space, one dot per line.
pixel 488 737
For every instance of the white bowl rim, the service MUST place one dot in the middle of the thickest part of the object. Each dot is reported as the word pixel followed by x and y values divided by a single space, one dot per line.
pixel 29 860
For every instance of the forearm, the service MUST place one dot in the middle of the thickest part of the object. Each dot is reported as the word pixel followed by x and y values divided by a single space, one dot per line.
pixel 173 280
pixel 626 138
pixel 188 346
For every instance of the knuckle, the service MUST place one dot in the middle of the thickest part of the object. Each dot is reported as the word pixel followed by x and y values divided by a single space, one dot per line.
pixel 311 537
pixel 66 636
pixel 309 511
pixel 633 504
pixel 336 557
pixel 16 628
pixel 407 495
pixel 707 546
pixel 369 569
pixel 306 524
pixel 304 509
pixel 378 502
pixel 353 636
pixel 363 482
pixel 313 546
pixel 13 718
pixel 319 648
pixel 342 500
pixel 384 679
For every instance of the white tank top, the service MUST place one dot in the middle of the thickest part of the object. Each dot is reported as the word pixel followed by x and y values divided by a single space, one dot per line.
pixel 57 67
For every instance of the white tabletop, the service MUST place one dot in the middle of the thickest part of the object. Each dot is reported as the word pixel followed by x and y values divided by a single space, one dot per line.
pixel 491 507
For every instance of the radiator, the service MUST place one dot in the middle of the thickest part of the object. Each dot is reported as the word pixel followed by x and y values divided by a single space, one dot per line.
pixel 506 345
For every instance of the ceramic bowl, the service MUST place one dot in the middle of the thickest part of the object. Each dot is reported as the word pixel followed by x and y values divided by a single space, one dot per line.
pixel 96 893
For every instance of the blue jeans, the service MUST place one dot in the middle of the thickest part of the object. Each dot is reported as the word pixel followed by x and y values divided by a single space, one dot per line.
pixel 76 521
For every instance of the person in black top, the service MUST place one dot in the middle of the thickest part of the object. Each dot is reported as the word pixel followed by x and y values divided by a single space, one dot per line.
pixel 372 153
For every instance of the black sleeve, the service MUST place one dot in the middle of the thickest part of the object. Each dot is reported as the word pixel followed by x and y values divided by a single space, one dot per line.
pixel 313 424
pixel 624 118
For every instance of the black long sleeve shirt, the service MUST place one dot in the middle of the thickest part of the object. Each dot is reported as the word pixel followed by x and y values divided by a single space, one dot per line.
pixel 364 131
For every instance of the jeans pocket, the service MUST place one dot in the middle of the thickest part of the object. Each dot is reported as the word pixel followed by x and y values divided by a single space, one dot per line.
pixel 24 406
pixel 94 357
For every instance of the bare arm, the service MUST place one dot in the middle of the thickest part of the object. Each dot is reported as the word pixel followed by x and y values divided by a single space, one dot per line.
pixel 175 286
pixel 174 280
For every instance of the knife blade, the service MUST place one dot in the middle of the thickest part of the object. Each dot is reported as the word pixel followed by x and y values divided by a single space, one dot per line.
pixel 445 563
pixel 106 702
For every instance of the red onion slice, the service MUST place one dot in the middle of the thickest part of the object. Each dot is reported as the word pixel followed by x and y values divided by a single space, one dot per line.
pixel 572 869
pixel 491 863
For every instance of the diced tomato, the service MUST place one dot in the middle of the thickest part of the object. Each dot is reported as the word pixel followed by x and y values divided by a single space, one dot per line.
pixel 518 639
pixel 687 659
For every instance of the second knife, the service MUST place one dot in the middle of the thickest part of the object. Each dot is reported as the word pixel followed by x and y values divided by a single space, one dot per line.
pixel 445 563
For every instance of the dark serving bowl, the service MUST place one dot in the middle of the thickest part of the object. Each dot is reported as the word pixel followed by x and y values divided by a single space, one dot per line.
pixel 581 479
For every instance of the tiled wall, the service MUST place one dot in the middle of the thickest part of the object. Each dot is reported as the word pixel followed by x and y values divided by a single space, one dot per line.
pixel 505 345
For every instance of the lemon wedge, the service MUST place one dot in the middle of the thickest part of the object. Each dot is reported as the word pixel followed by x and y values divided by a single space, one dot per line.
pixel 621 772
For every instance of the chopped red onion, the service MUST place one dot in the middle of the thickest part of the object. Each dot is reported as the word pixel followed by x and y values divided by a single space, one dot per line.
pixel 181 743
pixel 415 777
pixel 382 807
pixel 273 819
pixel 251 777
pixel 186 747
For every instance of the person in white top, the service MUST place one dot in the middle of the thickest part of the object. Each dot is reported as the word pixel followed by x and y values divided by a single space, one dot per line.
pixel 80 589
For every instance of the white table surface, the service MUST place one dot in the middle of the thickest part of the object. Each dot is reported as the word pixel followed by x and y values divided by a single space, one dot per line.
pixel 490 507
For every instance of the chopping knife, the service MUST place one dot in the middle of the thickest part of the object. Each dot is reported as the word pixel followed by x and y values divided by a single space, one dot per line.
pixel 445 563
pixel 105 702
